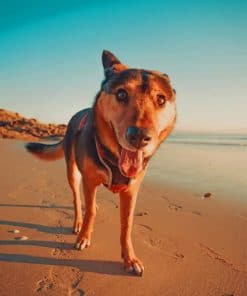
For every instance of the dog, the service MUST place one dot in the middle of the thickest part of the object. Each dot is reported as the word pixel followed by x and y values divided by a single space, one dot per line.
pixel 112 143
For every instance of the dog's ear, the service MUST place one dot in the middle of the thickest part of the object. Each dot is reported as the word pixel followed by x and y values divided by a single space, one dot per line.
pixel 111 63
pixel 108 59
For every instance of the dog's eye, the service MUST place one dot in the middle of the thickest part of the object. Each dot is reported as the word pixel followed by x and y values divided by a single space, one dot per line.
pixel 122 96
pixel 161 100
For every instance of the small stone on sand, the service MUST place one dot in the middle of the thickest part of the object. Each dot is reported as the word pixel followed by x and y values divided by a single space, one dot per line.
pixel 16 231
pixel 22 238
pixel 207 195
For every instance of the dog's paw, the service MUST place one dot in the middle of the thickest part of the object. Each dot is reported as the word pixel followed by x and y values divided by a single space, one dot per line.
pixel 82 243
pixel 134 266
pixel 77 226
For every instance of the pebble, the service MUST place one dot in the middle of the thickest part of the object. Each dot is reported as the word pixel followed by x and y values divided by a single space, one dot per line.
pixel 16 231
pixel 22 238
pixel 207 195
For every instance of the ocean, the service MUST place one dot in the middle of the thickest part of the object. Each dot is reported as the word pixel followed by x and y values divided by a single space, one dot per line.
pixel 209 139
pixel 202 163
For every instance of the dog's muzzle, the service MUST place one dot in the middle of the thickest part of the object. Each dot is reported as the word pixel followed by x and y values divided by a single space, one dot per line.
pixel 138 137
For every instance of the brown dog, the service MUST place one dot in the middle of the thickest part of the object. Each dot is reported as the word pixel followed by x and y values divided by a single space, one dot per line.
pixel 111 144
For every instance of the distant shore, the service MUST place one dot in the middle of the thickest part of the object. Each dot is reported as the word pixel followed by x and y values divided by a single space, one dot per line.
pixel 15 126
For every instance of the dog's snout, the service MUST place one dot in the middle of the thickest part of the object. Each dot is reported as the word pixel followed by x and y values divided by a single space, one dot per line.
pixel 138 137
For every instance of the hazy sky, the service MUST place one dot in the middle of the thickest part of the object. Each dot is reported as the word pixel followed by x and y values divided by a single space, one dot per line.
pixel 50 55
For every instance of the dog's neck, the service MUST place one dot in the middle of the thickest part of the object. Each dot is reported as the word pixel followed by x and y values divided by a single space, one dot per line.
pixel 105 133
pixel 104 153
pixel 116 181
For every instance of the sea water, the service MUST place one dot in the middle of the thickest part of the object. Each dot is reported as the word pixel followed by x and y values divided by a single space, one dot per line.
pixel 202 163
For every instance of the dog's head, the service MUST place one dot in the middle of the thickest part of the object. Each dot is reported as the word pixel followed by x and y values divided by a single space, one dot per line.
pixel 135 111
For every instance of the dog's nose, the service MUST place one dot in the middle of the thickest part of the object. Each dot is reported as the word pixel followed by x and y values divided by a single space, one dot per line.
pixel 138 137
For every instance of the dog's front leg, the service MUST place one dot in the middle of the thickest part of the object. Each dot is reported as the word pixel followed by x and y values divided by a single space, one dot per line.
pixel 84 237
pixel 127 206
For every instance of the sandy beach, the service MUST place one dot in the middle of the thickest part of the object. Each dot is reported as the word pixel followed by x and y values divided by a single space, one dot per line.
pixel 189 245
pixel 118 80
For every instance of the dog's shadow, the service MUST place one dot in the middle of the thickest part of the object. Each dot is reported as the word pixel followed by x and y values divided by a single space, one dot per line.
pixel 48 206
pixel 39 227
pixel 46 244
pixel 96 266
pixel 42 228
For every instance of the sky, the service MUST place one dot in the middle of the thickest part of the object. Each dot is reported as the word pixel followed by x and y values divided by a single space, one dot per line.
pixel 50 55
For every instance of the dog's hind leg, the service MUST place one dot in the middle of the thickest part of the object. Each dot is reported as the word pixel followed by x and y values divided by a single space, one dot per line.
pixel 74 178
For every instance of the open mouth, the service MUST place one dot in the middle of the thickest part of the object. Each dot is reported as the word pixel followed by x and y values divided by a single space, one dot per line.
pixel 130 162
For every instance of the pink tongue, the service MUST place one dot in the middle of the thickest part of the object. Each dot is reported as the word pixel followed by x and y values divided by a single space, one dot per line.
pixel 130 162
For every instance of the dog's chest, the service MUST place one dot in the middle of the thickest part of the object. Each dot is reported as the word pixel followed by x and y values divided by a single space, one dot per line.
pixel 115 181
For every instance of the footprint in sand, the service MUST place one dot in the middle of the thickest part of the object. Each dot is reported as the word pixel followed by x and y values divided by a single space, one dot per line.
pixel 149 238
pixel 143 213
pixel 171 205
pixel 45 285
pixel 78 277
pixel 178 256
pixel 156 243
pixel 216 256
pixel 45 202
pixel 146 227
pixel 75 291
pixel 57 252
pixel 59 238
pixel 196 213
pixel 147 233
pixel 65 214
pixel 175 207
pixel 167 247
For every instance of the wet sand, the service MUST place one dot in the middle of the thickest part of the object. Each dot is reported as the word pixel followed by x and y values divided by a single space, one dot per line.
pixel 189 245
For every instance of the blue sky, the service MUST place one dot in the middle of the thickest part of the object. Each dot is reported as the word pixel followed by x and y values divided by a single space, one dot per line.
pixel 50 55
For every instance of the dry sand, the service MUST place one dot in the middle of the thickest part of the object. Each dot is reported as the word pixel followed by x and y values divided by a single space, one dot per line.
pixel 189 246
